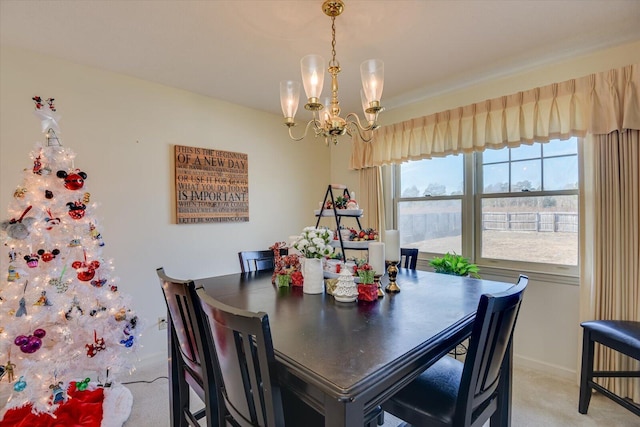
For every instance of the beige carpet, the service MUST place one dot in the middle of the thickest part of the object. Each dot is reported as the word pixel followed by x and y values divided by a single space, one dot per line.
pixel 539 400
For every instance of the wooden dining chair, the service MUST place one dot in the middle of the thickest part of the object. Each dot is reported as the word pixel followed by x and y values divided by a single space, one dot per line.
pixel 247 366
pixel 190 367
pixel 453 393
pixel 256 260
pixel 409 258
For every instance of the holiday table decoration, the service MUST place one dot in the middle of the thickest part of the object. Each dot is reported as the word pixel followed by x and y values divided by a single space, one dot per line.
pixel 367 289
pixel 346 289
pixel 314 244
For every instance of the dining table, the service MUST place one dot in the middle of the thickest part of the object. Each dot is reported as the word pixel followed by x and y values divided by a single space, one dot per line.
pixel 345 359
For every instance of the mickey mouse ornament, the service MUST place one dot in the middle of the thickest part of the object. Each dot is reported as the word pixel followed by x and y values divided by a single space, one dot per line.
pixel 72 181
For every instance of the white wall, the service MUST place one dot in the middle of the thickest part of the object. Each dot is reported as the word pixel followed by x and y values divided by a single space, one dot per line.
pixel 548 331
pixel 123 131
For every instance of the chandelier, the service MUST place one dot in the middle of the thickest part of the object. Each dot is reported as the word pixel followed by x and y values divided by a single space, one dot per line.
pixel 329 124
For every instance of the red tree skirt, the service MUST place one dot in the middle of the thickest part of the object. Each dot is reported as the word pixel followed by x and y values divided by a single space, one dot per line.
pixel 82 409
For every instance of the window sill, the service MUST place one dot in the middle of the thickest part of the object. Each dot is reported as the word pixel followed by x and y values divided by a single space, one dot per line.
pixel 504 274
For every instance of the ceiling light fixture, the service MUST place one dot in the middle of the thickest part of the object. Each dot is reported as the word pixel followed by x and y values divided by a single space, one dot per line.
pixel 330 125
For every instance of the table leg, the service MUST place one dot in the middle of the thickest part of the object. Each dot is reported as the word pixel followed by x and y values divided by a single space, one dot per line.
pixel 343 413
pixel 502 416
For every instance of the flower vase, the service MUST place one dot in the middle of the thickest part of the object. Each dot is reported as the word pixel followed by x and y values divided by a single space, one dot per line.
pixel 313 276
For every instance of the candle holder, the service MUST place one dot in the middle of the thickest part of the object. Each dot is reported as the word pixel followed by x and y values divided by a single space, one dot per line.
pixel 392 287
pixel 376 280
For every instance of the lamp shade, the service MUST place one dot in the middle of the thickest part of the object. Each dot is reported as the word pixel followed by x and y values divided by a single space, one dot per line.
pixel 372 73
pixel 365 104
pixel 312 67
pixel 289 98
pixel 326 110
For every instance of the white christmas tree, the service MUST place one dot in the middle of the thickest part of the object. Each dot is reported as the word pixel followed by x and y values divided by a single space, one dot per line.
pixel 62 319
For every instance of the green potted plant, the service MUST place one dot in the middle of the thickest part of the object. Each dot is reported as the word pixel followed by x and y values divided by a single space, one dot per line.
pixel 457 265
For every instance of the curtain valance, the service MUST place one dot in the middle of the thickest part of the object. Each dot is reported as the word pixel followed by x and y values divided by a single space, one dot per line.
pixel 599 104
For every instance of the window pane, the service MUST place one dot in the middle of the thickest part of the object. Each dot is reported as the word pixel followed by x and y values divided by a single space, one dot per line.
pixel 431 226
pixel 561 173
pixel 558 148
pixel 540 229
pixel 495 178
pixel 436 177
pixel 526 175
pixel 526 152
pixel 491 155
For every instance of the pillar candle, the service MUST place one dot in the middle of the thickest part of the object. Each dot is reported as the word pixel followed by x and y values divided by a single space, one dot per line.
pixel 392 241
pixel 376 257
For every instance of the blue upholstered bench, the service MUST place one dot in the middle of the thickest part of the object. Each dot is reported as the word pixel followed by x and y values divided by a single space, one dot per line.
pixel 621 336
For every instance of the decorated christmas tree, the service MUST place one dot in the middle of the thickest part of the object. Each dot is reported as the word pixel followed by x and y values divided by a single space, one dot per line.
pixel 64 326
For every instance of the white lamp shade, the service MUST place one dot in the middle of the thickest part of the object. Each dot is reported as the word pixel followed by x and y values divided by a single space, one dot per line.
pixel 312 67
pixel 365 104
pixel 372 73
pixel 326 111
pixel 289 98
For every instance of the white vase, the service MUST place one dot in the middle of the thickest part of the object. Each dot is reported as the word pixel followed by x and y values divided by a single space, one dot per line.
pixel 313 276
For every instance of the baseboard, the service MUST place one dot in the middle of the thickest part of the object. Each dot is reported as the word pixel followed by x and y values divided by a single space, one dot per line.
pixel 546 368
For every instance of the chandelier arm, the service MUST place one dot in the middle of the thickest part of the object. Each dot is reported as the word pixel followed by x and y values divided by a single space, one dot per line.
pixel 316 124
pixel 355 123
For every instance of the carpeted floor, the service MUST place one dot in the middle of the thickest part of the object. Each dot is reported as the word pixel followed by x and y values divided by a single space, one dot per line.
pixel 538 400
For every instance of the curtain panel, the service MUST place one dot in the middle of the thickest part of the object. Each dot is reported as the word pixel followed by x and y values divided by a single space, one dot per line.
pixel 610 255
pixel 598 104
pixel 371 199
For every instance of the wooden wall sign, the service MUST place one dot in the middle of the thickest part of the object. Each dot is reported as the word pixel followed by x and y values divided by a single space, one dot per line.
pixel 211 185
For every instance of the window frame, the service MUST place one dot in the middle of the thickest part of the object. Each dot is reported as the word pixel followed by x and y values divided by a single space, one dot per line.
pixel 471 205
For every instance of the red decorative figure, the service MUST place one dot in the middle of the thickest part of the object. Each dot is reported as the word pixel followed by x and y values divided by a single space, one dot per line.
pixel 86 270
pixel 72 181
pixel 76 209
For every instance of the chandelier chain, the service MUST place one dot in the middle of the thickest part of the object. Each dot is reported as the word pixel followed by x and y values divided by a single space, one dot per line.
pixel 333 62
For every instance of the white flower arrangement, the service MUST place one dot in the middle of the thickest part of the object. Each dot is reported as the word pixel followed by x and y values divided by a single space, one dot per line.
pixel 314 242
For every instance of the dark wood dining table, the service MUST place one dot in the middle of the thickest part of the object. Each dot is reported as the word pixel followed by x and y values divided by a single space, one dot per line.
pixel 344 359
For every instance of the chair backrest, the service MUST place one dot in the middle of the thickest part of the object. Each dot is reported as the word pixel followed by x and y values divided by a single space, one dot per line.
pixel 410 256
pixel 179 295
pixel 244 350
pixel 491 336
pixel 256 260
pixel 197 365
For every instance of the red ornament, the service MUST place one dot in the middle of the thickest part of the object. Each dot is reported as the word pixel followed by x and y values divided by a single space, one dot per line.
pixel 99 345
pixel 86 270
pixel 48 256
pixel 37 166
pixel 296 278
pixel 367 292
pixel 73 181
pixel 38 102
pixel 76 209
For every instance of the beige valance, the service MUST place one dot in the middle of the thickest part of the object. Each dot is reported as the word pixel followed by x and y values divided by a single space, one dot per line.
pixel 599 104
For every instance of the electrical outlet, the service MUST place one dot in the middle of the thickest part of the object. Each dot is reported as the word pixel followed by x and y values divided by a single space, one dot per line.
pixel 162 323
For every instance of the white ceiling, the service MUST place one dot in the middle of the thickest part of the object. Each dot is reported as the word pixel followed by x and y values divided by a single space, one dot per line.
pixel 240 50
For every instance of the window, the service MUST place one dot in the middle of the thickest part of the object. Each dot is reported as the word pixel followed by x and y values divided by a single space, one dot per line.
pixel 517 207
pixel 429 210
